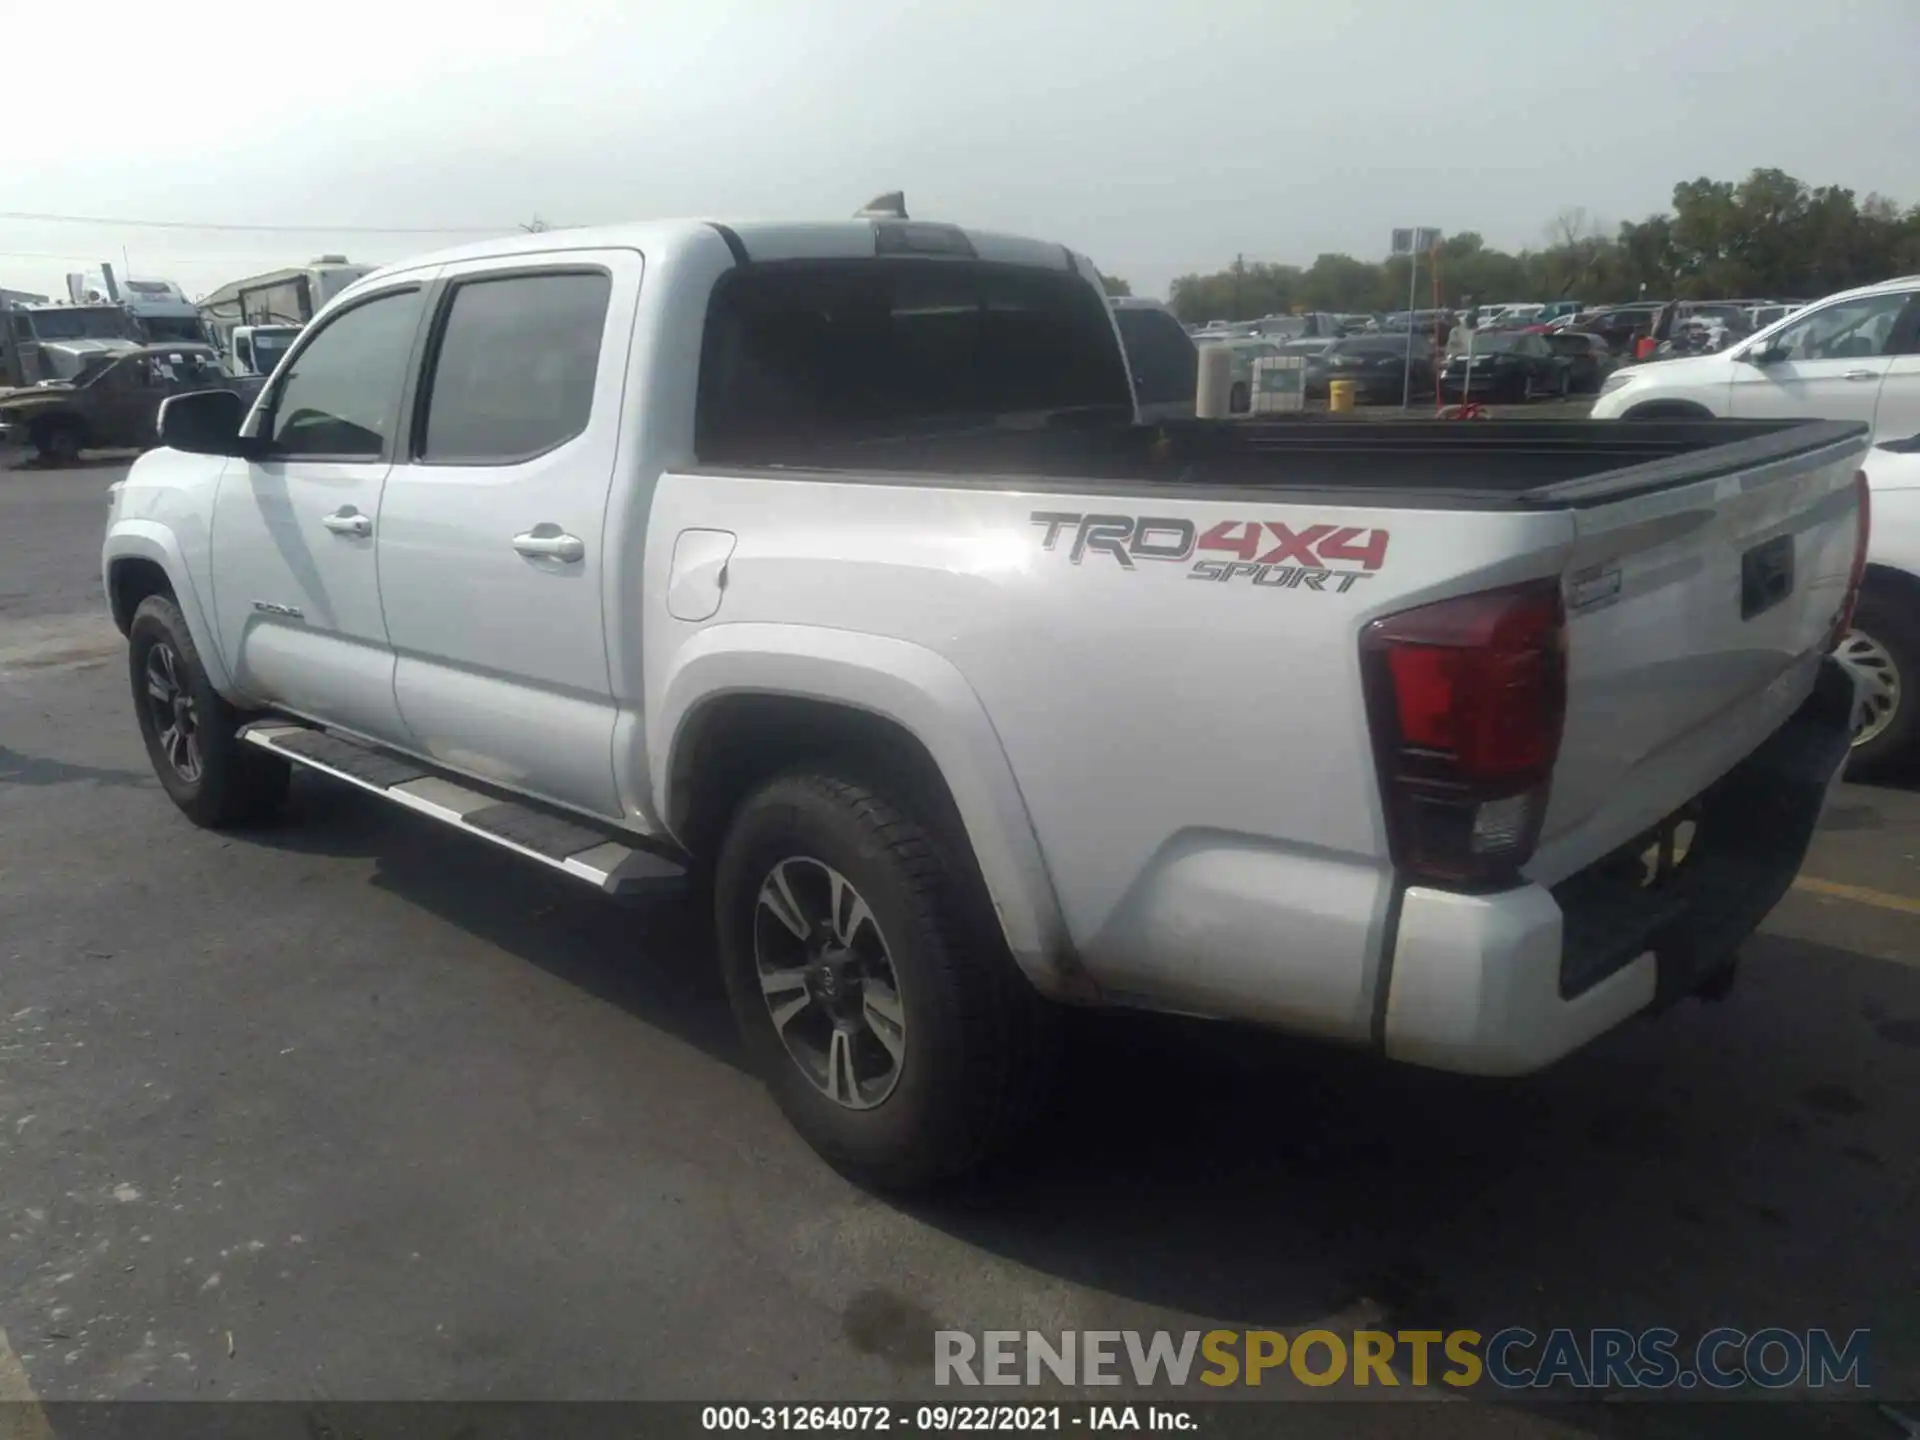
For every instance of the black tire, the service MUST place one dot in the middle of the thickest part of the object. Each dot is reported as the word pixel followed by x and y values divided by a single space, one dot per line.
pixel 1888 621
pixel 1668 410
pixel 59 441
pixel 976 1041
pixel 232 783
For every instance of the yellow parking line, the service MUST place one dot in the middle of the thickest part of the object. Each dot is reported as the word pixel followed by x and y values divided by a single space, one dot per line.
pixel 1859 895
pixel 21 1417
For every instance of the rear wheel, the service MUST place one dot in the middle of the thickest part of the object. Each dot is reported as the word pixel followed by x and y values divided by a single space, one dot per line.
pixel 1883 648
pixel 871 985
pixel 191 733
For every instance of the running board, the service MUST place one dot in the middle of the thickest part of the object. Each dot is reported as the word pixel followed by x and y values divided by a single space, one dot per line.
pixel 601 857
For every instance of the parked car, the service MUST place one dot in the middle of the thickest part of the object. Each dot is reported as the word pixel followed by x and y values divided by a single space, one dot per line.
pixel 1620 325
pixel 1162 357
pixel 1853 356
pixel 832 564
pixel 111 403
pixel 1587 356
pixel 1378 366
pixel 1883 643
pixel 1507 365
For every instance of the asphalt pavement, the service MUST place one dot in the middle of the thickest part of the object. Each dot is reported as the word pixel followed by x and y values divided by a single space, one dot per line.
pixel 352 1108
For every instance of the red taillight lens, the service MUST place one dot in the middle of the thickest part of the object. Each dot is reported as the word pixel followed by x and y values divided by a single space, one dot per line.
pixel 1862 533
pixel 1467 699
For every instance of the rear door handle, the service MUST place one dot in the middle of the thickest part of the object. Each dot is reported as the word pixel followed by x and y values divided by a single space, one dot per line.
pixel 548 542
pixel 1861 375
pixel 349 521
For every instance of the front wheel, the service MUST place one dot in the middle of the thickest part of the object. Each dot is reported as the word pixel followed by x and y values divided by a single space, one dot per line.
pixel 57 441
pixel 870 982
pixel 1883 649
pixel 191 733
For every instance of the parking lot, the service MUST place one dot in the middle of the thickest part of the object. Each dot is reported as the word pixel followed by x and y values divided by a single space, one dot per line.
pixel 354 1108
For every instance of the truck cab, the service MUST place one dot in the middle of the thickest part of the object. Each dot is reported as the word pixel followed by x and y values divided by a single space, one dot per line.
pixel 256 349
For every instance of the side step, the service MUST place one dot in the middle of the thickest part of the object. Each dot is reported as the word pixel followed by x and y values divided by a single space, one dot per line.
pixel 600 856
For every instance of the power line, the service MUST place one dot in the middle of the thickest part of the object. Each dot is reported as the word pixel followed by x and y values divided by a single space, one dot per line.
pixel 93 256
pixel 256 229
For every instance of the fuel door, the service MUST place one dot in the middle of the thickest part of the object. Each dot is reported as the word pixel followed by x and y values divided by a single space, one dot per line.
pixel 697 581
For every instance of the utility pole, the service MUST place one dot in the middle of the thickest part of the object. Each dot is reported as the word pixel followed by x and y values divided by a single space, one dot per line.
pixel 1239 273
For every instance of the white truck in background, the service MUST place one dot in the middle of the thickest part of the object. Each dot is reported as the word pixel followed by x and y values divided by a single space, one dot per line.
pixel 256 349
pixel 825 567
pixel 276 301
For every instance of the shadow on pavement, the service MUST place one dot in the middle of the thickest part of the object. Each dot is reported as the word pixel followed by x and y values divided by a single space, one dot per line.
pixel 651 959
pixel 1747 1163
pixel 89 460
pixel 19 769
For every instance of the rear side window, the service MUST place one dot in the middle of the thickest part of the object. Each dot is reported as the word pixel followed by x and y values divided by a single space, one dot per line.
pixel 849 350
pixel 1165 361
pixel 514 370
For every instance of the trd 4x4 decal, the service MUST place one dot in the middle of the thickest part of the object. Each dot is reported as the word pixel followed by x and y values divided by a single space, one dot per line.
pixel 1264 552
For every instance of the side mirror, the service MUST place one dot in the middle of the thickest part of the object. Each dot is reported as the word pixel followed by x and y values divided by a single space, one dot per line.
pixel 1766 355
pixel 203 422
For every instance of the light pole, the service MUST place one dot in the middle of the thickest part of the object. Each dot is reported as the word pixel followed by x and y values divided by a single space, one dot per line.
pixel 1410 243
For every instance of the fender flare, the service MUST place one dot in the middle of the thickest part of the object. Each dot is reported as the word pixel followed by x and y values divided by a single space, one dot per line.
pixel 149 540
pixel 925 695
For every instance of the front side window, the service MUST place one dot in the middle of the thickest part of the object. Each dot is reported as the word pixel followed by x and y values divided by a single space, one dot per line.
pixel 514 373
pixel 1847 330
pixel 128 374
pixel 341 397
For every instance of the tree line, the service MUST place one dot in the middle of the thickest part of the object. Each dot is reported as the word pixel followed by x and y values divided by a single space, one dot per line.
pixel 1768 236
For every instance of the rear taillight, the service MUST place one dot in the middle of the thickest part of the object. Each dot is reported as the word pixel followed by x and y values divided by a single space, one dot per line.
pixel 1466 699
pixel 1862 533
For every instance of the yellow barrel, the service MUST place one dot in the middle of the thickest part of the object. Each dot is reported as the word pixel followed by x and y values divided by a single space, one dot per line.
pixel 1339 395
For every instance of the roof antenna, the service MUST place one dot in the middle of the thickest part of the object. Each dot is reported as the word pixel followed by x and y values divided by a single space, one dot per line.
pixel 890 206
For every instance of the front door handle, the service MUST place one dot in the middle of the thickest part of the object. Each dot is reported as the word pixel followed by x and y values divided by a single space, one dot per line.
pixel 1861 375
pixel 349 521
pixel 548 542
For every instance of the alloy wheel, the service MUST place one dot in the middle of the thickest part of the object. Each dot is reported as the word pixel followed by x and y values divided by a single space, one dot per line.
pixel 1867 657
pixel 829 984
pixel 176 719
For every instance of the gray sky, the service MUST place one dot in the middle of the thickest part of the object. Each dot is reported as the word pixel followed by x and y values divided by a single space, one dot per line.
pixel 1158 144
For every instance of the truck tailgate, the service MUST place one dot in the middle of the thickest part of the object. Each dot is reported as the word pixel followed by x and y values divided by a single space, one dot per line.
pixel 1697 612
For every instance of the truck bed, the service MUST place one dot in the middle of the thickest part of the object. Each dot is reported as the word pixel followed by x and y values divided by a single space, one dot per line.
pixel 1430 463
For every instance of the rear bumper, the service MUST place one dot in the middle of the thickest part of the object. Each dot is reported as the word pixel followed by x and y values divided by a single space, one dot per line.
pixel 1505 983
pixel 1484 382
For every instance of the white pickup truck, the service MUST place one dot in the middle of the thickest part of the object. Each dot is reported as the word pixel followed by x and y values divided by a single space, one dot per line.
pixel 826 565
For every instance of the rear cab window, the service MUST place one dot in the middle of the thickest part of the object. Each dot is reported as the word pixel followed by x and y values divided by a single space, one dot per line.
pixel 1163 357
pixel 849 350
